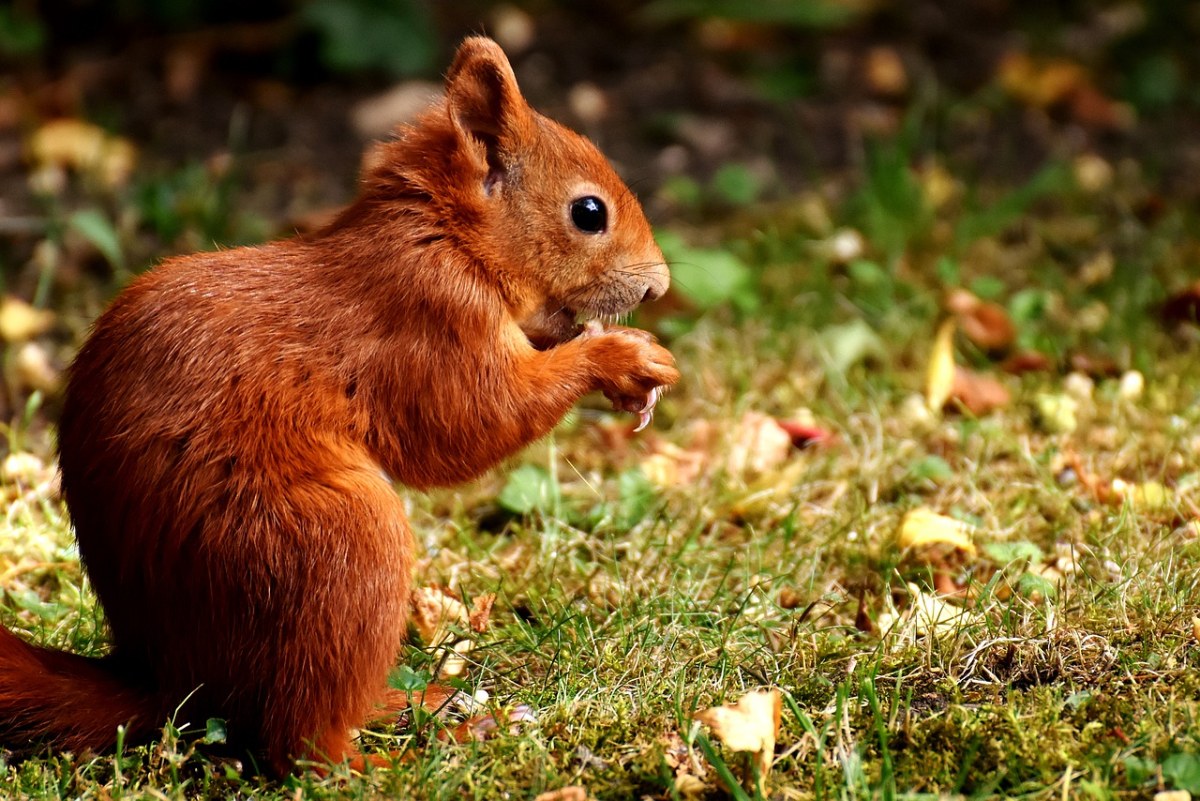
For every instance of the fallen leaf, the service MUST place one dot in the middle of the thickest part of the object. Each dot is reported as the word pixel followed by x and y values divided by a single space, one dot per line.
pixel 376 116
pixel 985 323
pixel 926 615
pixel 939 375
pixel 1173 795
pixel 922 527
pixel 34 369
pixel 1027 361
pixel 689 786
pixel 1059 83
pixel 1039 83
pixel 1092 173
pixel 435 615
pixel 84 147
pixel 804 435
pixel 19 321
pixel 752 725
pixel 481 612
pixel 979 394
pixel 1196 629
pixel 884 72
pixel 1095 366
pixel 672 466
pixel 758 444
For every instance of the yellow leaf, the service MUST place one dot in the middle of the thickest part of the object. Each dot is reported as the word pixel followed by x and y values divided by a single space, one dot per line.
pixel 927 615
pixel 752 724
pixel 922 527
pixel 939 376
pixel 19 321
pixel 85 147
pixel 1145 495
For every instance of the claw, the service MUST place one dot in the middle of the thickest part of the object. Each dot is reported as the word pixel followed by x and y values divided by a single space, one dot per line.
pixel 647 412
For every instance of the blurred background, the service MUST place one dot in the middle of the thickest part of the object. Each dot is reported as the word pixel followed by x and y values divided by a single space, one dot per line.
pixel 831 160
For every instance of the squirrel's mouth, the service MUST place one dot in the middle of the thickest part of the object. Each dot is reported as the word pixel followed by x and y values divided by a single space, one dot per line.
pixel 557 322
pixel 551 325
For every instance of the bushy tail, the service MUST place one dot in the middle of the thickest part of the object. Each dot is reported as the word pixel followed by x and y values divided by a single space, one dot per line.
pixel 67 701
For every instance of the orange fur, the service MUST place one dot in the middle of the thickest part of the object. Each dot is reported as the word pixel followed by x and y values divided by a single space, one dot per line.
pixel 231 424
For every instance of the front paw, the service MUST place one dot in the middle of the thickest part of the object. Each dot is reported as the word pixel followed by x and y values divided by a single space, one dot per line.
pixel 631 369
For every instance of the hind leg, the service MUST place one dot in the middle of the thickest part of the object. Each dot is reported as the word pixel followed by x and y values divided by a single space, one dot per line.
pixel 335 619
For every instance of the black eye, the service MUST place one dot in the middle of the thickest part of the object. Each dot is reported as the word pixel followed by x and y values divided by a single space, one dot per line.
pixel 589 214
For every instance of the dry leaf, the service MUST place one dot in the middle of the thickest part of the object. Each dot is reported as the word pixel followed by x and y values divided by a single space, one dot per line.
pixel 1027 361
pixel 1057 82
pixel 939 376
pixel 1040 83
pixel 1173 795
pixel 759 444
pixel 922 527
pixel 689 786
pixel 1196 629
pixel 376 116
pixel 19 321
pixel 34 370
pixel 1092 173
pixel 978 393
pixel 884 72
pixel 481 612
pixel 435 613
pixel 671 466
pixel 752 724
pixel 926 615
pixel 985 323
pixel 82 146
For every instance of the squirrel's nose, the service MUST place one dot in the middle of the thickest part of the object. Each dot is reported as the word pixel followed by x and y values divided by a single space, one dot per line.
pixel 657 278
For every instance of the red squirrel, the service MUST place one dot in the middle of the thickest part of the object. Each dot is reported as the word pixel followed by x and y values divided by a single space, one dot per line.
pixel 233 423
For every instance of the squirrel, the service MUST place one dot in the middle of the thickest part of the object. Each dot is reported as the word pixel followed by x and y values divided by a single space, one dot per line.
pixel 233 424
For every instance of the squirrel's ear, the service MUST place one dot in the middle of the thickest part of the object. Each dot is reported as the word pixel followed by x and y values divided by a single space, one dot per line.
pixel 484 102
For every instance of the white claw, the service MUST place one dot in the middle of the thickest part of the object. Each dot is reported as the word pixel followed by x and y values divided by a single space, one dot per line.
pixel 647 412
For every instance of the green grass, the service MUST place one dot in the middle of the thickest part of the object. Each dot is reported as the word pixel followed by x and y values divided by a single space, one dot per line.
pixel 623 607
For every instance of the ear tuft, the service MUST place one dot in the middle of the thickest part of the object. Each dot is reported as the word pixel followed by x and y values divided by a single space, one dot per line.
pixel 483 98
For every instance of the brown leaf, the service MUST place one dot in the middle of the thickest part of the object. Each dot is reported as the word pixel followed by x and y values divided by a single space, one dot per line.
pixel 435 615
pixel 979 394
pixel 1027 361
pixel 862 620
pixel 1094 366
pixel 1183 306
pixel 985 323
pixel 481 612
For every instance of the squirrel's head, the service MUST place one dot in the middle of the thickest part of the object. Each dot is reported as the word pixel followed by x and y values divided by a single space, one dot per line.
pixel 562 234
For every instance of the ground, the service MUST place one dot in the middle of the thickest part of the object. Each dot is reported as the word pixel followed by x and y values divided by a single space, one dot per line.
pixel 991 593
